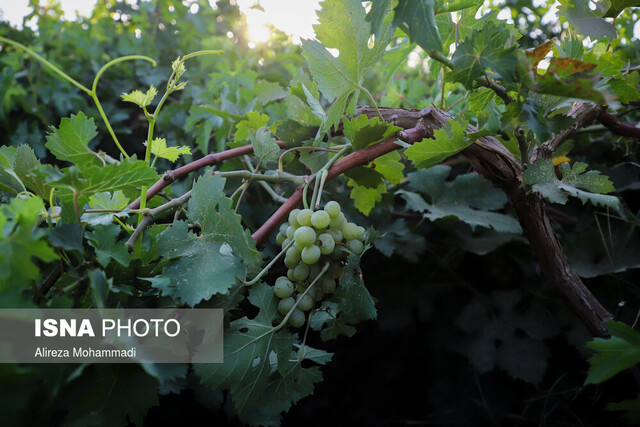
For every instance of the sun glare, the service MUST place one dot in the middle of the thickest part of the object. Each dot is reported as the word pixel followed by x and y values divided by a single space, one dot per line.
pixel 293 17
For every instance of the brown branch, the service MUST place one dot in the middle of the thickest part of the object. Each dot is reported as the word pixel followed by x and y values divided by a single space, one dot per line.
pixel 584 113
pixel 208 160
pixel 615 125
pixel 492 160
pixel 359 158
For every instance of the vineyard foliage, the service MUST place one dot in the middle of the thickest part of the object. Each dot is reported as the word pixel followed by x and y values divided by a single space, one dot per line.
pixel 152 153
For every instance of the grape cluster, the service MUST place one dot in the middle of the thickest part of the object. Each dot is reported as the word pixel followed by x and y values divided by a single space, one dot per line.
pixel 317 238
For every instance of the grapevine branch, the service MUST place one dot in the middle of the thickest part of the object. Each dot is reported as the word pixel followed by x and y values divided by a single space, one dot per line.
pixel 615 125
pixel 208 160
pixel 492 160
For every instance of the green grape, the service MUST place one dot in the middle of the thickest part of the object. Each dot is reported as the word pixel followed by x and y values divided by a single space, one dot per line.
pixel 355 246
pixel 332 208
pixel 328 285
pixel 290 275
pixel 283 287
pixel 336 234
pixel 338 221
pixel 327 244
pixel 310 254
pixel 304 217
pixel 285 305
pixel 306 302
pixel 319 296
pixel 293 217
pixel 293 253
pixel 334 272
pixel 349 231
pixel 283 228
pixel 280 238
pixel 301 272
pixel 305 236
pixel 291 262
pixel 290 232
pixel 286 242
pixel 361 232
pixel 311 292
pixel 297 318
pixel 320 219
pixel 314 270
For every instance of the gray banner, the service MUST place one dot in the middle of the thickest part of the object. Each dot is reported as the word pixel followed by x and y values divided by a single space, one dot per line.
pixel 162 335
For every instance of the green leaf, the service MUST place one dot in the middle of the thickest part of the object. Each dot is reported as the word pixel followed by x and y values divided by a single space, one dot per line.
pixel 625 89
pixel 342 26
pixel 365 198
pixel 615 354
pixel 70 142
pixel 468 198
pixel 253 121
pixel 377 14
pixel 110 394
pixel 67 237
pixel 130 174
pixel 452 32
pixel 490 48
pixel 570 78
pixel 199 268
pixel 139 98
pixel 9 180
pixel 365 176
pixel 631 406
pixel 503 335
pixel 251 347
pixel 398 238
pixel 104 239
pixel 480 98
pixel 21 243
pixel 107 200
pixel 265 148
pixel 574 182
pixel 617 6
pixel 362 131
pixel 588 22
pixel 390 167
pixel 25 164
pixel 160 149
pixel 446 142
pixel 211 209
pixel 420 18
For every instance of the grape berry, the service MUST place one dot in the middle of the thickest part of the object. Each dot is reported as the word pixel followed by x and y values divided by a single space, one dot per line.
pixel 320 236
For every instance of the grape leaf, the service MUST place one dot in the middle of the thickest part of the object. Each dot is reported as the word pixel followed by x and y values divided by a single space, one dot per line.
pixel 506 337
pixel 480 98
pixel 625 89
pixel 104 239
pixel 365 176
pixel 468 198
pixel 570 78
pixel 362 131
pixel 67 237
pixel 70 142
pixel 542 178
pixel 365 198
pixel 9 180
pixel 130 174
pixel 398 238
pixel 110 394
pixel 252 352
pixel 446 142
pixel 199 268
pixel 253 121
pixel 211 209
pixel 420 19
pixel 615 354
pixel 586 21
pixel 21 243
pixel 342 26
pixel 631 406
pixel 25 165
pixel 106 200
pixel 264 144
pixel 539 53
pixel 377 14
pixel 492 47
pixel 140 98
pixel 160 149
pixel 617 6
pixel 390 167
